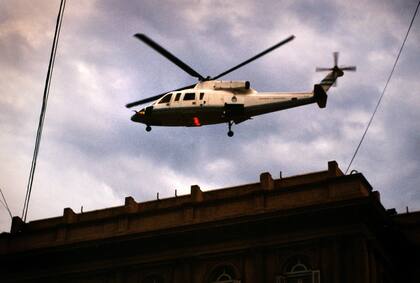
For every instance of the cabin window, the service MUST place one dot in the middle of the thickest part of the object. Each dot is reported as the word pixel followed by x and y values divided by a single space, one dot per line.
pixel 177 96
pixel 201 95
pixel 189 96
pixel 166 98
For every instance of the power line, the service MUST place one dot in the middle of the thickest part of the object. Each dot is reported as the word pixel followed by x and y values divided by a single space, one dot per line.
pixel 43 109
pixel 383 92
pixel 5 204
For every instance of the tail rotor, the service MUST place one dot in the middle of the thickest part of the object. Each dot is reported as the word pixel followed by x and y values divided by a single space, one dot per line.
pixel 336 70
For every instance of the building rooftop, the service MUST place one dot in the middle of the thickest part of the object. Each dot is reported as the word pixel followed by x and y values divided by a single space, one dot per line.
pixel 184 212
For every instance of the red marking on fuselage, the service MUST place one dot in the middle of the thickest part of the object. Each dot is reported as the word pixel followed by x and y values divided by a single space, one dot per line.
pixel 196 121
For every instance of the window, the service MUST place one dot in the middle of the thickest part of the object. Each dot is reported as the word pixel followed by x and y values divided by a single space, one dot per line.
pixel 189 96
pixel 297 272
pixel 223 274
pixel 166 98
pixel 201 95
pixel 177 96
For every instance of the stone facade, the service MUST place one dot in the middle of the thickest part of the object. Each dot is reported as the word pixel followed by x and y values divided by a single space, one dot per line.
pixel 318 227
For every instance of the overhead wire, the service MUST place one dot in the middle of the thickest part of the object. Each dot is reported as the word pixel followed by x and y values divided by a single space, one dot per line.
pixel 7 209
pixel 383 91
pixel 43 109
pixel 4 203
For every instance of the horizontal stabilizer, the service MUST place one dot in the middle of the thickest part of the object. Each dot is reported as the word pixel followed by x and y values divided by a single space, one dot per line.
pixel 320 96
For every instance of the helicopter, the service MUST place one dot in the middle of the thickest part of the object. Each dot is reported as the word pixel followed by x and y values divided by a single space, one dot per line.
pixel 213 101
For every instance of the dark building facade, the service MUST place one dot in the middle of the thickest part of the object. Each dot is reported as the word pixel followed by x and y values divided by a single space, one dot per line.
pixel 318 227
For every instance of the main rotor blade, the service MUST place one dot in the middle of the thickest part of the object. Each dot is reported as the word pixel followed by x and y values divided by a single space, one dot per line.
pixel 255 57
pixel 318 69
pixel 335 54
pixel 143 101
pixel 152 98
pixel 168 55
pixel 349 68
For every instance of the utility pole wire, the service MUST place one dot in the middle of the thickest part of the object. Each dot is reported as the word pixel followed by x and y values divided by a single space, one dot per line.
pixel 43 109
pixel 383 92
pixel 5 204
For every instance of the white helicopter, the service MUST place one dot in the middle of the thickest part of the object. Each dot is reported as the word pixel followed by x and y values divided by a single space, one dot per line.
pixel 212 101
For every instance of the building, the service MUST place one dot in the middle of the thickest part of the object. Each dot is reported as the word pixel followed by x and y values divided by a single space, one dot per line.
pixel 318 227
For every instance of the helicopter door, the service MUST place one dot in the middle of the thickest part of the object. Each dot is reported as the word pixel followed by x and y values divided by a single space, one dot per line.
pixel 174 106
pixel 188 106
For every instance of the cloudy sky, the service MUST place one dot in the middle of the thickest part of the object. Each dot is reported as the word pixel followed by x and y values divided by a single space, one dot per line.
pixel 93 156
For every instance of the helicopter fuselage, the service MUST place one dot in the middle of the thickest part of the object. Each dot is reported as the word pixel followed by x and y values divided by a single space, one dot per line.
pixel 211 101
pixel 214 102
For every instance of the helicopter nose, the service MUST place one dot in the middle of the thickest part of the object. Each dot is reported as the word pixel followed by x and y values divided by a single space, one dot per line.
pixel 134 117
pixel 138 117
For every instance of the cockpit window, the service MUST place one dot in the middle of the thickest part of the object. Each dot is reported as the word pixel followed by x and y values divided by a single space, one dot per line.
pixel 177 96
pixel 166 98
pixel 189 96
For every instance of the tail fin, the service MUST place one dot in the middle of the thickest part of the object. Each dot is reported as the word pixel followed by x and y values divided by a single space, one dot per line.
pixel 320 95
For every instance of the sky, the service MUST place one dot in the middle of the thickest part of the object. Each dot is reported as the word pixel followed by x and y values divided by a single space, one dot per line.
pixel 92 155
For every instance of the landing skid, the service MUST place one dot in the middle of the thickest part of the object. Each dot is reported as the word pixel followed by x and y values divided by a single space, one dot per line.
pixel 230 132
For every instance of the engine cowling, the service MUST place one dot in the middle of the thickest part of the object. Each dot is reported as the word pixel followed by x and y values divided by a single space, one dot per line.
pixel 231 85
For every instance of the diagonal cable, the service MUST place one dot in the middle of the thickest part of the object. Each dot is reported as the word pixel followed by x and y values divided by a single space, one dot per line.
pixel 43 110
pixel 383 92
pixel 4 203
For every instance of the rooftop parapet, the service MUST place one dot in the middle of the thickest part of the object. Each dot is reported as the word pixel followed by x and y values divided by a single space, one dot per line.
pixel 268 195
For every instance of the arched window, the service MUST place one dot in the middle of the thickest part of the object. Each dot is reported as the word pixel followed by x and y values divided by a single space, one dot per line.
pixel 298 271
pixel 298 268
pixel 223 274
